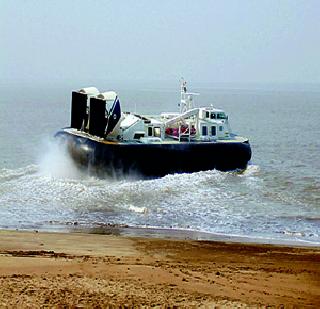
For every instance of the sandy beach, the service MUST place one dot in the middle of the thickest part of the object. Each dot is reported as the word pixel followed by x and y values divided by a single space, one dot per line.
pixel 39 269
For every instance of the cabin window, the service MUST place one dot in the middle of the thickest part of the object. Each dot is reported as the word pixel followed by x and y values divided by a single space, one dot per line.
pixel 204 130
pixel 213 116
pixel 157 132
pixel 220 128
pixel 150 129
pixel 138 135
pixel 207 115
pixel 213 131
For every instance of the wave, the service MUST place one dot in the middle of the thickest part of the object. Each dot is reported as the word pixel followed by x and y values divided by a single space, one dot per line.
pixel 229 203
pixel 12 174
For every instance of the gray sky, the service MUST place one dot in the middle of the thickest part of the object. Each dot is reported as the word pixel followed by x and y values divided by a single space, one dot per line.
pixel 205 41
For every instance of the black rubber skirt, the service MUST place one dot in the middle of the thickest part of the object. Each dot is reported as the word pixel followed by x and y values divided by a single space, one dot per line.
pixel 155 159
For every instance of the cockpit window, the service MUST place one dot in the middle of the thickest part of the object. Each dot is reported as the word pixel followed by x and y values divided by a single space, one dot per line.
pixel 212 116
pixel 221 116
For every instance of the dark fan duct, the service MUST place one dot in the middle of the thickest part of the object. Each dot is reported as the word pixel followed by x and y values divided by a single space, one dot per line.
pixel 78 109
pixel 97 119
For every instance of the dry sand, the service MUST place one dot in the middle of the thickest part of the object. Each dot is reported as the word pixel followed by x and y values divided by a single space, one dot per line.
pixel 86 270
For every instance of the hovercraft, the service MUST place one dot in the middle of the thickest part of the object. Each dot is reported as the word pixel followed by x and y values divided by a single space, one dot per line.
pixel 104 139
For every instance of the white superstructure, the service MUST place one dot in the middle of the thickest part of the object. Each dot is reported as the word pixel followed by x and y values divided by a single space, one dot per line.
pixel 190 124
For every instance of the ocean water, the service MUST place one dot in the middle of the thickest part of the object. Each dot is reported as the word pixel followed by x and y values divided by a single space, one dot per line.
pixel 276 198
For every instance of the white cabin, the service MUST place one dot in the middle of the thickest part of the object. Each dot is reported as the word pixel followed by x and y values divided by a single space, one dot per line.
pixel 190 124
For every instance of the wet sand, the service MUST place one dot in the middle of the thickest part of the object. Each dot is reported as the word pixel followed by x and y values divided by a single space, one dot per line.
pixel 86 270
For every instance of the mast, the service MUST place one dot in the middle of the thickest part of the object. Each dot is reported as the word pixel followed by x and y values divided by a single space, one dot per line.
pixel 186 98
pixel 183 91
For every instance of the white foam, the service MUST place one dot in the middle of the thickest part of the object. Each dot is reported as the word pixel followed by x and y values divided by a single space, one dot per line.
pixel 11 174
pixel 251 170
pixel 55 161
pixel 136 209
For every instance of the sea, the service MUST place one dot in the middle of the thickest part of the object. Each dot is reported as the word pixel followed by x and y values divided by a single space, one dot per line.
pixel 277 199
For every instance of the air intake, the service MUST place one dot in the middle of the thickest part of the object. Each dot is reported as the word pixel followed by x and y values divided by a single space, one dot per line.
pixel 97 117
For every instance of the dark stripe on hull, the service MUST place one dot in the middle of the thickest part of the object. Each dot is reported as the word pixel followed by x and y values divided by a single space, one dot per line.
pixel 156 159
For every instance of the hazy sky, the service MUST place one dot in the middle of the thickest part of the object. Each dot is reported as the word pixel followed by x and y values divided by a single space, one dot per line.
pixel 212 41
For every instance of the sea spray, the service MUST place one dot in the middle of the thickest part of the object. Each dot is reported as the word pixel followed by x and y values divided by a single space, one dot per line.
pixel 55 161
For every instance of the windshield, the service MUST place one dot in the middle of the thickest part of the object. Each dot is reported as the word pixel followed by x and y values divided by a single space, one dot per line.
pixel 221 116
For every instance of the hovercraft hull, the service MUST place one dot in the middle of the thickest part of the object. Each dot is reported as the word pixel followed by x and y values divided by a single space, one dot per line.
pixel 154 159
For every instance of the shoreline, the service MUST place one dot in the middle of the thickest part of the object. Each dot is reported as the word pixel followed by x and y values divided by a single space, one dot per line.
pixel 166 233
pixel 98 270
